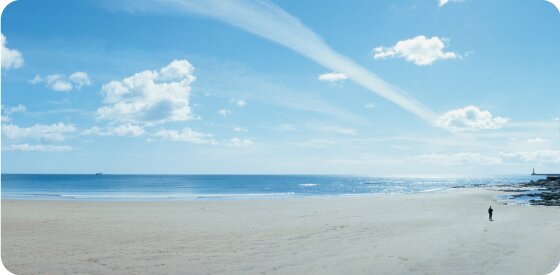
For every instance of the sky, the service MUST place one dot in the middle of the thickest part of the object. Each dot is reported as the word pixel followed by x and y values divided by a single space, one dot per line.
pixel 377 88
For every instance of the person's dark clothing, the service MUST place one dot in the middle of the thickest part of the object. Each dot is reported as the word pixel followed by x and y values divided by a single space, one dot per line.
pixel 490 210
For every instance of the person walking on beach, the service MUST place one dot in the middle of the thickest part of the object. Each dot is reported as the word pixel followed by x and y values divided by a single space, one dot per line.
pixel 490 210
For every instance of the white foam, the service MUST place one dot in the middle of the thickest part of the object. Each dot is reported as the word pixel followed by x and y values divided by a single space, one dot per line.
pixel 434 190
pixel 175 196
pixel 308 184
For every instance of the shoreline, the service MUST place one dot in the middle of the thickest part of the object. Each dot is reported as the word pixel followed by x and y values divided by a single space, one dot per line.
pixel 236 197
pixel 222 197
pixel 430 232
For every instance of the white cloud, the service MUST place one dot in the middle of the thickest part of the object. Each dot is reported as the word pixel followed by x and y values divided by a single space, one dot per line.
pixel 470 118
pixel 443 2
pixel 7 111
pixel 542 156
pixel 53 132
pixel 61 83
pixel 128 130
pixel 150 97
pixel 11 58
pixel 333 77
pixel 187 135
pixel 37 148
pixel 420 50
pixel 61 86
pixel 94 131
pixel 120 130
pixel 80 79
pixel 458 159
pixel 237 142
pixel 241 103
pixel 224 112
pixel 240 129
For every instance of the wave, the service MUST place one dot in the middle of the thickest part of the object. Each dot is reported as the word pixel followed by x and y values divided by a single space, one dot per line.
pixel 308 184
pixel 148 197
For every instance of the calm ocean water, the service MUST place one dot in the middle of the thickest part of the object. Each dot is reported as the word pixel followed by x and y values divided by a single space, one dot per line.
pixel 188 187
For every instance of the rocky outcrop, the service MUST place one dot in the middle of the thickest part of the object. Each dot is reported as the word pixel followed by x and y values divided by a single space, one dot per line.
pixel 549 195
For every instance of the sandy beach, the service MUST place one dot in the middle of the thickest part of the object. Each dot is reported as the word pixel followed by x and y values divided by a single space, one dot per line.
pixel 445 232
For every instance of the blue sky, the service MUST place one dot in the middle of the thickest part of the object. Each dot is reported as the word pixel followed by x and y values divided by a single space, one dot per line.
pixel 315 87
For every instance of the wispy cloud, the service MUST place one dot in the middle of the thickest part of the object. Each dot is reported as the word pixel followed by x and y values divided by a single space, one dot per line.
pixel 120 130
pixel 37 148
pixel 542 156
pixel 261 89
pixel 186 135
pixel 240 129
pixel 536 140
pixel 315 143
pixel 61 83
pixel 458 159
pixel 42 133
pixel 267 20
pixel 334 129
pixel 224 112
pixel 52 132
pixel 238 142
pixel 241 103
pixel 7 111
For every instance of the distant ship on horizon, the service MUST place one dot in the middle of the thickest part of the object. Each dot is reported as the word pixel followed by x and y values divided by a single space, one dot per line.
pixel 98 174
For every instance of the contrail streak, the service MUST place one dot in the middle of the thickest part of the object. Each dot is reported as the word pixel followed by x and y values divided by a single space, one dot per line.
pixel 267 20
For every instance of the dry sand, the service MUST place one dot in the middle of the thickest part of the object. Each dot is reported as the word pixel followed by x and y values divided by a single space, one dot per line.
pixel 444 232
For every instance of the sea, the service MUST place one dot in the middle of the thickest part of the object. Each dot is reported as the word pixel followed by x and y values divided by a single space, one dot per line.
pixel 227 187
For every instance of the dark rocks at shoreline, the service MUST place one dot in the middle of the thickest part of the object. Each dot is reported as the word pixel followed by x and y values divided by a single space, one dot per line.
pixel 548 199
pixel 516 191
pixel 550 195
pixel 542 183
